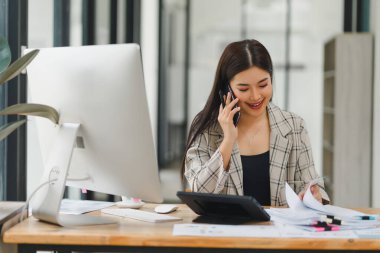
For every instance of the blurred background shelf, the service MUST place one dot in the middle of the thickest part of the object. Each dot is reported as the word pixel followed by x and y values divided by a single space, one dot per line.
pixel 347 118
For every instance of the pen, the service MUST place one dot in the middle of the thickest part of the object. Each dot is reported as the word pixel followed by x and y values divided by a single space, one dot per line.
pixel 333 221
pixel 327 228
pixel 323 224
pixel 320 229
pixel 319 223
pixel 328 216
pixel 365 217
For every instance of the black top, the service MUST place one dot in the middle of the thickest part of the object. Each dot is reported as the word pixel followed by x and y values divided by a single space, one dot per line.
pixel 256 177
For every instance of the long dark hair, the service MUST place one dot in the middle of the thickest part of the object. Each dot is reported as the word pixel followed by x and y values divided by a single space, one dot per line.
pixel 237 57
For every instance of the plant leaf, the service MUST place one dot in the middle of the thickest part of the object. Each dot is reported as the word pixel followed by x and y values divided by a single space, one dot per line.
pixel 33 110
pixel 15 68
pixel 5 54
pixel 9 128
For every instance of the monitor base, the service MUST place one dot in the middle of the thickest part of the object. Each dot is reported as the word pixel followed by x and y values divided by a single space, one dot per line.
pixel 69 220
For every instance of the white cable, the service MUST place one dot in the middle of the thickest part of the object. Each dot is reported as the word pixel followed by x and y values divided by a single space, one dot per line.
pixel 31 195
pixel 43 184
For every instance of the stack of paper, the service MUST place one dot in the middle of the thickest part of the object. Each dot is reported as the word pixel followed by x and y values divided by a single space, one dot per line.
pixel 311 215
pixel 76 207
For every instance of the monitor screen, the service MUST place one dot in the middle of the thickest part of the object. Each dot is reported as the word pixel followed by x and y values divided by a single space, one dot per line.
pixel 102 89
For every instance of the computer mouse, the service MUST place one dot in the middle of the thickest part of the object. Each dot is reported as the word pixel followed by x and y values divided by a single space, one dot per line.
pixel 165 208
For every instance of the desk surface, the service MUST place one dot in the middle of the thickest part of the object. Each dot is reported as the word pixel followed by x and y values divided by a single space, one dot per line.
pixel 134 233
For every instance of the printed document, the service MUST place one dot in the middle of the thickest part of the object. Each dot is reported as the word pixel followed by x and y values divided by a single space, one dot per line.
pixel 76 207
pixel 309 211
pixel 284 231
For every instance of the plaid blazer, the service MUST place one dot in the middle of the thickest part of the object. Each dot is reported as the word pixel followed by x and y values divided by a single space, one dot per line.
pixel 290 154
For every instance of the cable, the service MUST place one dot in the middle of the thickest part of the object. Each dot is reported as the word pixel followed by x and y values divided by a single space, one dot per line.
pixel 31 196
pixel 43 184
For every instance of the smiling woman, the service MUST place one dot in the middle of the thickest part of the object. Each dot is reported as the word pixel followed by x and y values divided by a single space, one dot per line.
pixel 253 88
pixel 267 148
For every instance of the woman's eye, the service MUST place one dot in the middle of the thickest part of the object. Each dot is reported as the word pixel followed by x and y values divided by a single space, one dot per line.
pixel 263 85
pixel 242 90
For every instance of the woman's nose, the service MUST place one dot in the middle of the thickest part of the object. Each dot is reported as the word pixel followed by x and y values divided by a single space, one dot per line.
pixel 254 96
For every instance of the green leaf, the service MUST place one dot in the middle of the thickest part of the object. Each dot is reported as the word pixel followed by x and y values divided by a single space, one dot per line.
pixel 9 128
pixel 33 110
pixel 5 54
pixel 15 68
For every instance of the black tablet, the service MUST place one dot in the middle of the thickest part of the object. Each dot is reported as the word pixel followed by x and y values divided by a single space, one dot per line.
pixel 224 209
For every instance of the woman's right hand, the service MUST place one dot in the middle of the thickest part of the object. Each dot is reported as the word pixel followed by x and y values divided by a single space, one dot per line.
pixel 225 119
pixel 230 132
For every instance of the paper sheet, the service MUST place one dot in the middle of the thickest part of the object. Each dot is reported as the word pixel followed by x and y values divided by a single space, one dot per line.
pixel 225 230
pixel 308 211
pixel 369 233
pixel 292 198
pixel 309 202
pixel 71 206
pixel 268 231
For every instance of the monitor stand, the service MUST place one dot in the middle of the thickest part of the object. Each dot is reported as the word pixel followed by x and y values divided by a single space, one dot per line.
pixel 47 202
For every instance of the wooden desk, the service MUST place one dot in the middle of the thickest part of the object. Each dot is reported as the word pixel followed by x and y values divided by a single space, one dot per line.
pixel 136 236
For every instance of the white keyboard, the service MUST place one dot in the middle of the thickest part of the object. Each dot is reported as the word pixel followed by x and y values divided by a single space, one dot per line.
pixel 140 215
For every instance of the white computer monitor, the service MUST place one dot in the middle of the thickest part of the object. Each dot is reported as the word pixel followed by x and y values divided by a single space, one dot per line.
pixel 100 95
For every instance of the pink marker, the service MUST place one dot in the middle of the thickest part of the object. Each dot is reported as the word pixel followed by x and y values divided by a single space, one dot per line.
pixel 327 228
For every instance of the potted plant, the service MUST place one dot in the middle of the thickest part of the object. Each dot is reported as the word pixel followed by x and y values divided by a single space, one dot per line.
pixel 7 72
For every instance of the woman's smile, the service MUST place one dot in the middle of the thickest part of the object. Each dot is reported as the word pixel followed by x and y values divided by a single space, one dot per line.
pixel 253 87
pixel 255 106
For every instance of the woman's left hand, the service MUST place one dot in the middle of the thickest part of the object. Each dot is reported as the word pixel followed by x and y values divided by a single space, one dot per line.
pixel 314 190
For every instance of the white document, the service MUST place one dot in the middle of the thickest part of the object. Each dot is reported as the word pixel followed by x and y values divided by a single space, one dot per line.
pixel 369 233
pixel 309 202
pixel 293 214
pixel 309 211
pixel 294 202
pixel 268 231
pixel 226 230
pixel 76 207
pixel 140 215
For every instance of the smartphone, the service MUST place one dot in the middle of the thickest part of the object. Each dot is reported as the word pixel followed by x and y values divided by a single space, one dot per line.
pixel 221 94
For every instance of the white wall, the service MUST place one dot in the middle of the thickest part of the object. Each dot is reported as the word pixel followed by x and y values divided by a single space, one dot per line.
pixel 149 49
pixel 375 28
pixel 40 28
pixel 313 23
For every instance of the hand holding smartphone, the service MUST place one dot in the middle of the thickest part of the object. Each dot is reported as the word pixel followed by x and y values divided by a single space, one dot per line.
pixel 221 95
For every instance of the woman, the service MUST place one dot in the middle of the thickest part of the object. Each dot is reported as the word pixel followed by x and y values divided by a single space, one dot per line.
pixel 268 146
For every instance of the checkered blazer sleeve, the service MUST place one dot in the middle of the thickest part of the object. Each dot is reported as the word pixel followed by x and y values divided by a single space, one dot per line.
pixel 204 166
pixel 305 163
